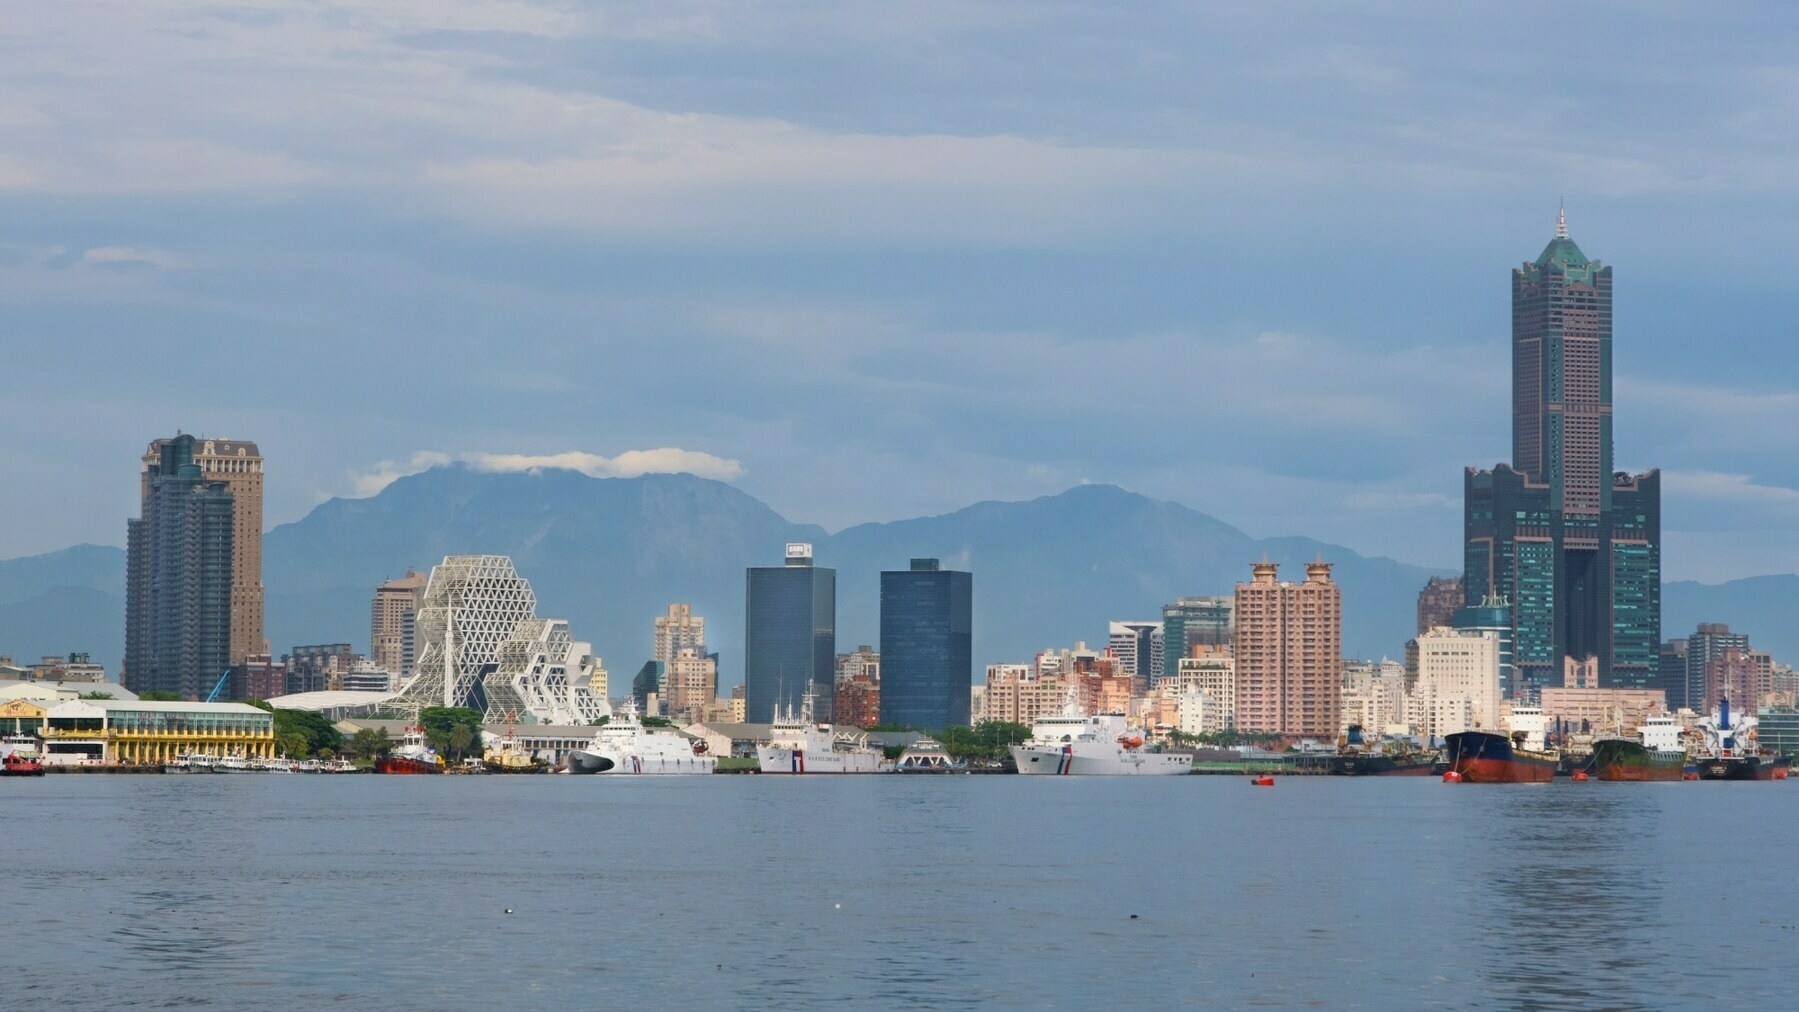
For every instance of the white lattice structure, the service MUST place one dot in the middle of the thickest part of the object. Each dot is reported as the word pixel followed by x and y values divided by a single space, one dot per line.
pixel 543 672
pixel 482 646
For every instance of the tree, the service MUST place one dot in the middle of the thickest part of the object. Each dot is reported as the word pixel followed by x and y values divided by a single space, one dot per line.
pixel 158 696
pixel 461 737
pixel 99 695
pixel 440 722
pixel 371 743
pixel 302 732
pixel 656 722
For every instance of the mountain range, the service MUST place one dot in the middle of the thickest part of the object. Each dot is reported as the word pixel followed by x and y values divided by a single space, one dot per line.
pixel 609 554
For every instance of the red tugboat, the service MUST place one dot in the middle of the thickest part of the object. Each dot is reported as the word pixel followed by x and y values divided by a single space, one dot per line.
pixel 21 758
pixel 412 756
pixel 1491 757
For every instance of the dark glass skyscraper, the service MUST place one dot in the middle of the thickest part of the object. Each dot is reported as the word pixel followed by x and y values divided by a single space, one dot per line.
pixel 178 578
pixel 927 654
pixel 790 637
pixel 1571 545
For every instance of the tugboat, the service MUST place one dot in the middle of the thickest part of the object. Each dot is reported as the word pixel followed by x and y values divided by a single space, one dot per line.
pixel 1358 757
pixel 1656 753
pixel 1732 752
pixel 412 756
pixel 22 757
pixel 1490 757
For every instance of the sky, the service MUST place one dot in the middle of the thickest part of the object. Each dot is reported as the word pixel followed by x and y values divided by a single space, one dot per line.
pixel 869 260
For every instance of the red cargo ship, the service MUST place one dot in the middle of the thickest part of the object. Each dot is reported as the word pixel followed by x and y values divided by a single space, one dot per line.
pixel 1490 757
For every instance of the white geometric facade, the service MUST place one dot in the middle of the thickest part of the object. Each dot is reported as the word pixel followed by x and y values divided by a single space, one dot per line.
pixel 477 608
pixel 543 672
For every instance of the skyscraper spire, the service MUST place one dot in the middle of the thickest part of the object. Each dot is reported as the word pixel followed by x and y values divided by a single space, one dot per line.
pixel 1561 221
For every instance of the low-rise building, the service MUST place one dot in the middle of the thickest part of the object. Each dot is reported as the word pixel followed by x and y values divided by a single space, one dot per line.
pixel 138 732
pixel 1598 710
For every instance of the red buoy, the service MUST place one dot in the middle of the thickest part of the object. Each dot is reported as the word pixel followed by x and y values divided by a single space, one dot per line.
pixel 1581 775
pixel 1780 772
pixel 1452 777
pixel 1689 776
pixel 1263 781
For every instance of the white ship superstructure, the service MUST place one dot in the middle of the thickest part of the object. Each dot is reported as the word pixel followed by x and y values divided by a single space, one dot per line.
pixel 624 745
pixel 797 744
pixel 1074 744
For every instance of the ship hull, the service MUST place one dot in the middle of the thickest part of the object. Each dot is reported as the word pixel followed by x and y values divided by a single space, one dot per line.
pixel 583 761
pixel 1485 757
pixel 405 766
pixel 1380 766
pixel 1101 760
pixel 1741 767
pixel 1629 762
pixel 792 761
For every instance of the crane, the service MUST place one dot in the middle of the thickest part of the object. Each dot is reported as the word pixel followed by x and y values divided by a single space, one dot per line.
pixel 220 687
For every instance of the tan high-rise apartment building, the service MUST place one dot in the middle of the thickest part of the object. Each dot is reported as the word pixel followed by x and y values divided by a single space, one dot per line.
pixel 692 685
pixel 1289 653
pixel 679 630
pixel 238 464
pixel 392 615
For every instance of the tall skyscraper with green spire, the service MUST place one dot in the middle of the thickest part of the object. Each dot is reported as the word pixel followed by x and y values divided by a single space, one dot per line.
pixel 1574 547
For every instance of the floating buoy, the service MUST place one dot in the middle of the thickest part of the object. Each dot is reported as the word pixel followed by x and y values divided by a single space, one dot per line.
pixel 1580 775
pixel 1780 772
pixel 1262 781
pixel 1689 776
pixel 1452 777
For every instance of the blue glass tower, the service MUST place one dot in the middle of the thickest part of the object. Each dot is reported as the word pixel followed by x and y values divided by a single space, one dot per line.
pixel 789 637
pixel 927 663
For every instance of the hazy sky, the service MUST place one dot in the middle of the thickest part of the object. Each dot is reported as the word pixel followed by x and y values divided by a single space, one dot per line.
pixel 872 260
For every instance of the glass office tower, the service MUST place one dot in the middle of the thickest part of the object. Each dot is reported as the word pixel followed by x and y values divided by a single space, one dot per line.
pixel 927 662
pixel 790 637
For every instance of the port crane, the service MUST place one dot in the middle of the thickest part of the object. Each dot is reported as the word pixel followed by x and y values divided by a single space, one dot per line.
pixel 213 696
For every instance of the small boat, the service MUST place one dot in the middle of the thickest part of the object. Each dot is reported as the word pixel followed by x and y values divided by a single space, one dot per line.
pixel 1356 756
pixel 21 764
pixel 21 757
pixel 928 756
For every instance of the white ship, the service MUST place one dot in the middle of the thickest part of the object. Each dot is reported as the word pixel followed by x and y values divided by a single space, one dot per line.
pixel 799 745
pixel 1072 744
pixel 624 745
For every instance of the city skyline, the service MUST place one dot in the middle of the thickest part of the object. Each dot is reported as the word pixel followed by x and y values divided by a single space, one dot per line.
pixel 947 285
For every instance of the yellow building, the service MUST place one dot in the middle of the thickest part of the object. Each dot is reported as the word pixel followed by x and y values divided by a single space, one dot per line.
pixel 138 732
pixel 21 716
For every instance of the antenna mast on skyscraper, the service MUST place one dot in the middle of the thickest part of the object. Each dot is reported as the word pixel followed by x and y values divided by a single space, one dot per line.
pixel 1561 219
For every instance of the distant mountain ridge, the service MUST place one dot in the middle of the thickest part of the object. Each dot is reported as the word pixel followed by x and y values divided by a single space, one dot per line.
pixel 610 553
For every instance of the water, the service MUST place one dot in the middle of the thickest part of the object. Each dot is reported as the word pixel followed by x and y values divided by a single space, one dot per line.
pixel 756 892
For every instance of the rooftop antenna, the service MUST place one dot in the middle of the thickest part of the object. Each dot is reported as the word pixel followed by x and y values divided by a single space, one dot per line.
pixel 1561 219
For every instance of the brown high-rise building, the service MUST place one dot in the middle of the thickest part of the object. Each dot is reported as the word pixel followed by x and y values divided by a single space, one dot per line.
pixel 1289 653
pixel 392 615
pixel 238 466
pixel 1438 601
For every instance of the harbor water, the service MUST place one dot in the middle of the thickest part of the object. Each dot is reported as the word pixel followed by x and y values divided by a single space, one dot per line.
pixel 893 891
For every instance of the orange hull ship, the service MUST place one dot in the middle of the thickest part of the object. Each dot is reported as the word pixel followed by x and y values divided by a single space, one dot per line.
pixel 1488 757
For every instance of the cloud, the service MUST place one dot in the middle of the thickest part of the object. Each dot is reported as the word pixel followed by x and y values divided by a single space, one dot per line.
pixel 1716 486
pixel 161 260
pixel 367 483
pixel 629 464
